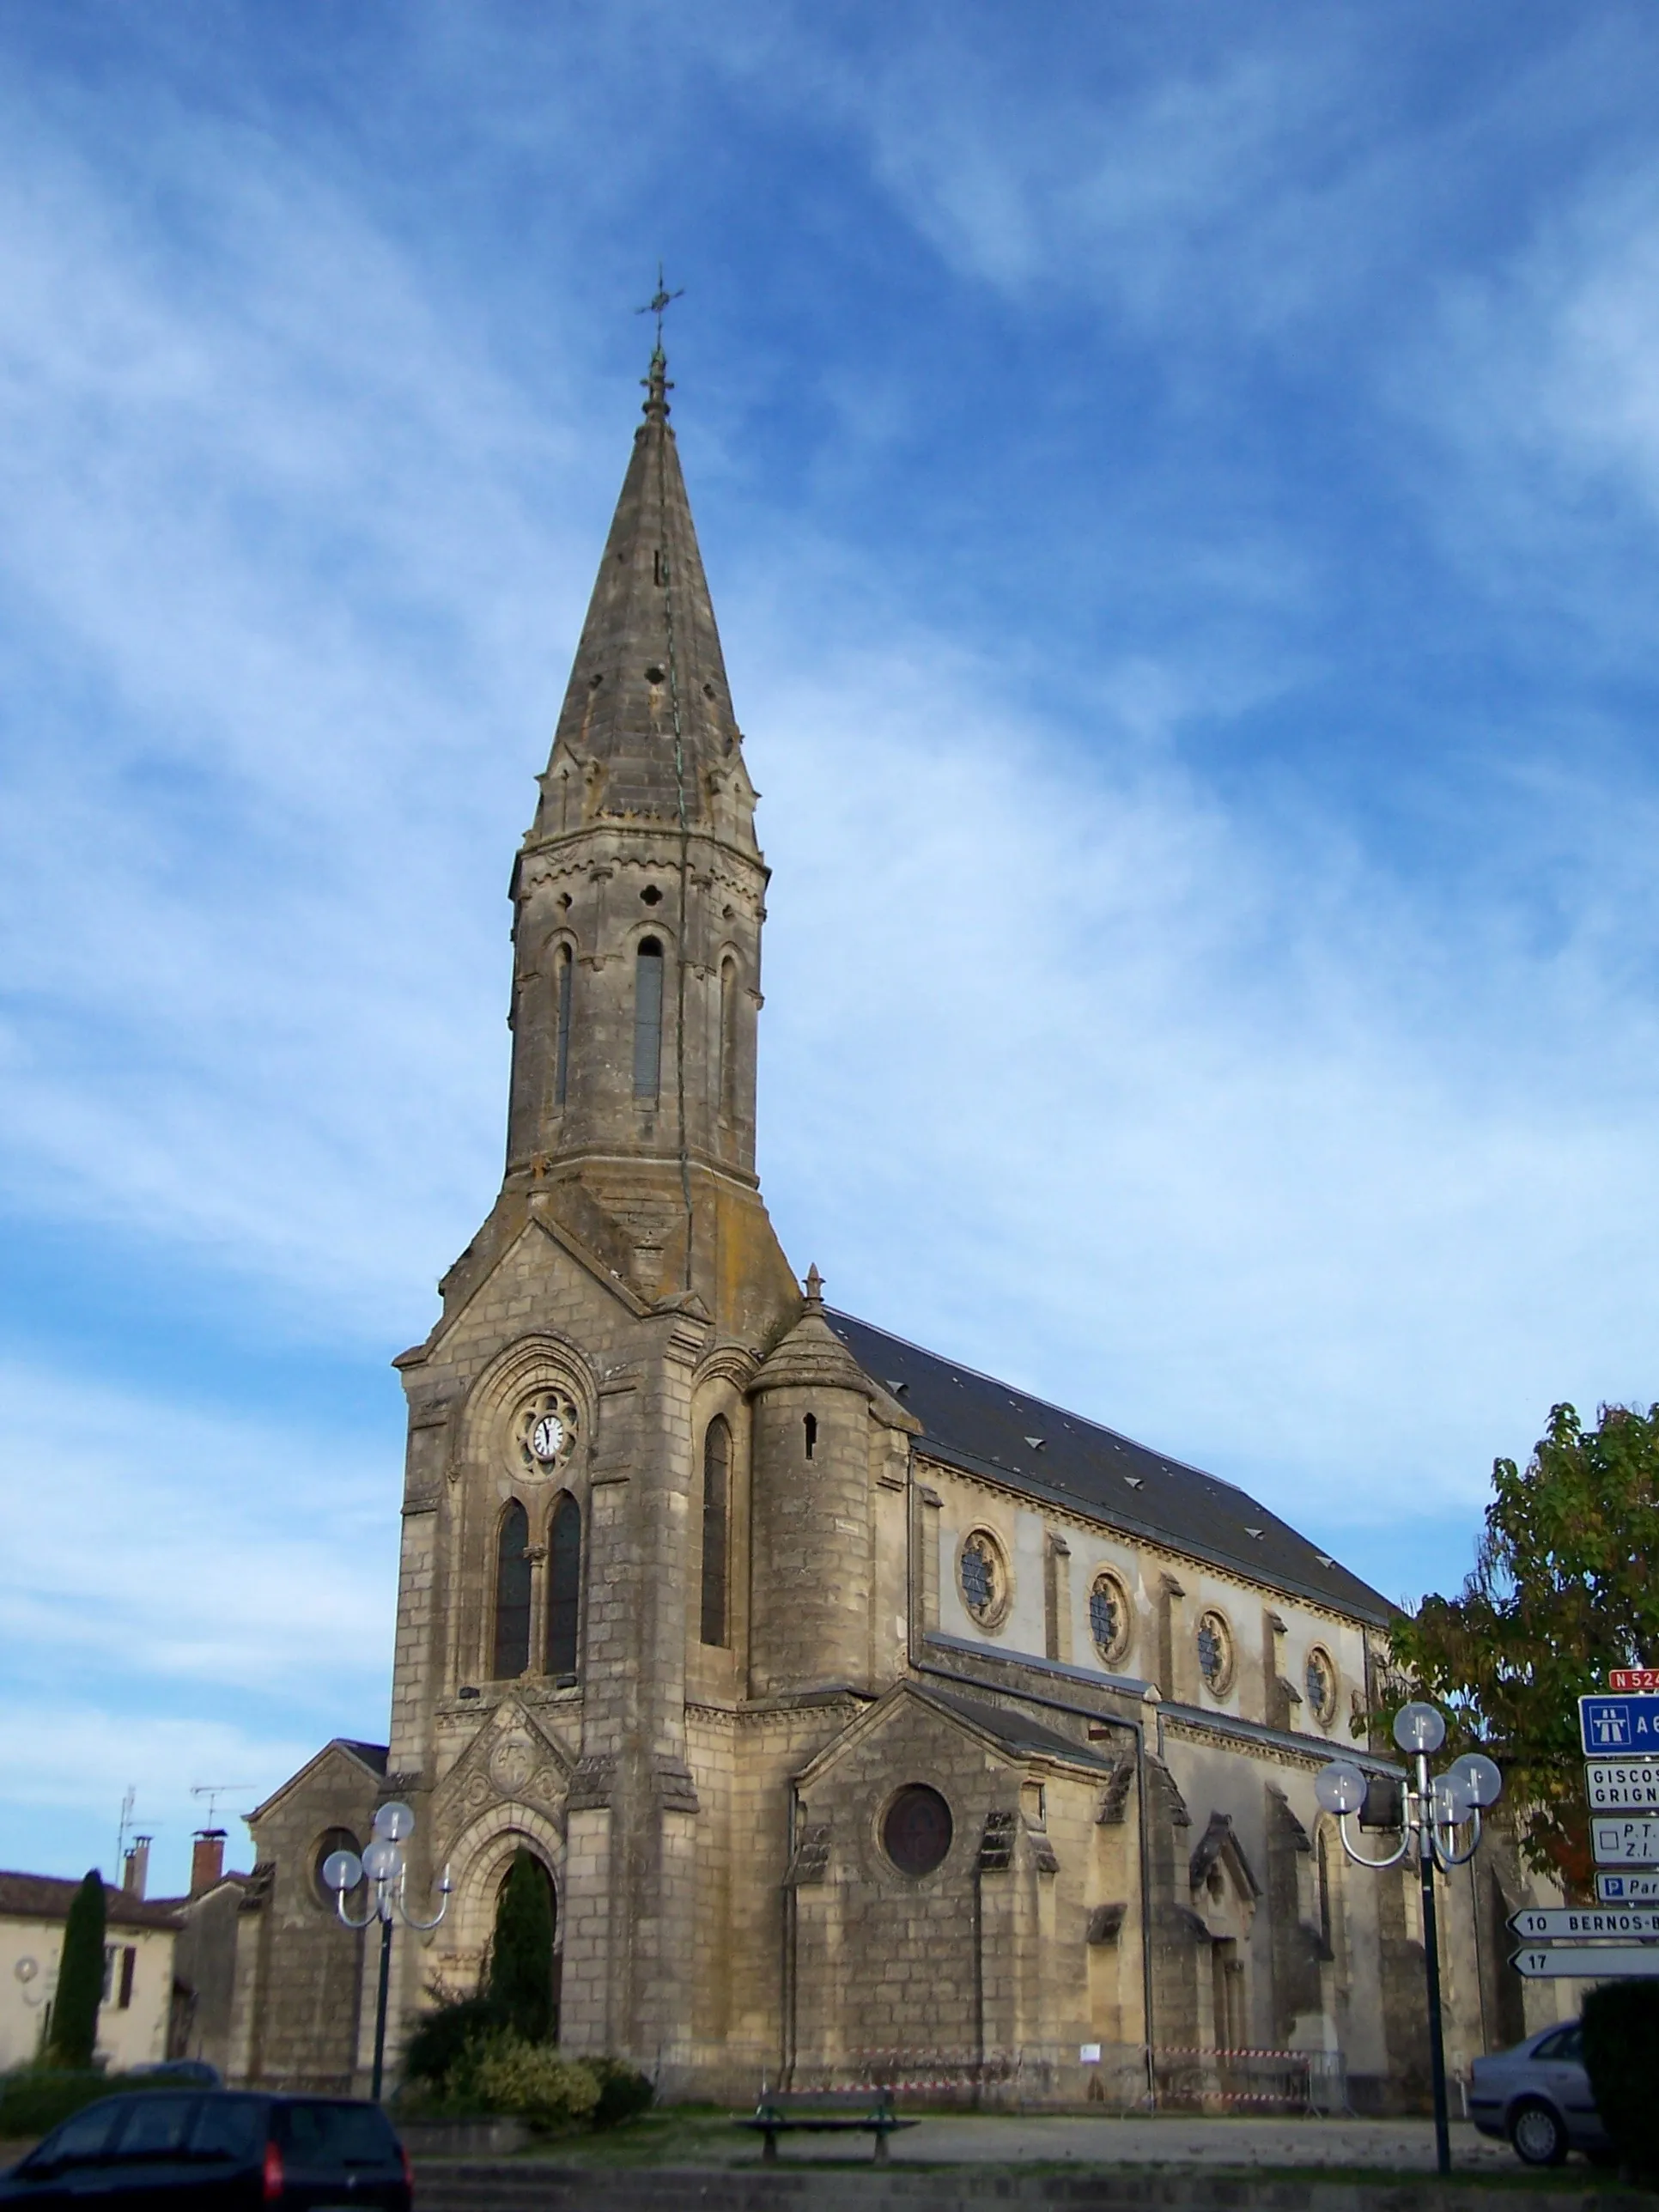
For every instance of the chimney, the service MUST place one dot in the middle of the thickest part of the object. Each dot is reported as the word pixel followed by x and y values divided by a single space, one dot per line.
pixel 136 1872
pixel 207 1859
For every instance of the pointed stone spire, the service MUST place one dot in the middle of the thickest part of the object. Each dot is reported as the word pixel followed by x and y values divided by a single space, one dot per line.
pixel 639 895
pixel 647 733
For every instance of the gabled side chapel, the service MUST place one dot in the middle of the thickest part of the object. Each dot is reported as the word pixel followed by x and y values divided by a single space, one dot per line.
pixel 854 1703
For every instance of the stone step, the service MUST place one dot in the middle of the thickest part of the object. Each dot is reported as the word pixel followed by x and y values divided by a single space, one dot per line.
pixel 529 2185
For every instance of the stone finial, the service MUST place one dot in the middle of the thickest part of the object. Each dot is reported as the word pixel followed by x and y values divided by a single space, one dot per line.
pixel 814 1289
pixel 657 388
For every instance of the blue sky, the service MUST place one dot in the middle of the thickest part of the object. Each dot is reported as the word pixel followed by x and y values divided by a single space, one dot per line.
pixel 1180 489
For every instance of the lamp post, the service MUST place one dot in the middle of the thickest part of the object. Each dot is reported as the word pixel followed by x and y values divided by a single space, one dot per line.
pixel 1432 1816
pixel 382 1864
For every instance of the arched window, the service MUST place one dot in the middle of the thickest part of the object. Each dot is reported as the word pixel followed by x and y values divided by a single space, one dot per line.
pixel 809 1426
pixel 564 1587
pixel 716 1489
pixel 333 1840
pixel 648 1017
pixel 563 981
pixel 512 1595
pixel 728 1084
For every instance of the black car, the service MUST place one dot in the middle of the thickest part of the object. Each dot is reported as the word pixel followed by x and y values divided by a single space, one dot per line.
pixel 217 2150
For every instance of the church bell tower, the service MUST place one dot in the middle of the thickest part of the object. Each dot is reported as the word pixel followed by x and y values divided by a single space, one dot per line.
pixel 573 1599
pixel 639 895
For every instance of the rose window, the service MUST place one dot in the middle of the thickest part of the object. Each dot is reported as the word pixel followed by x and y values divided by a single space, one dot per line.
pixel 1109 1617
pixel 984 1579
pixel 916 1832
pixel 1321 1678
pixel 545 1433
pixel 1215 1652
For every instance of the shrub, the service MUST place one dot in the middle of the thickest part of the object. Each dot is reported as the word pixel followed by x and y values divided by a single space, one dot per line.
pixel 1621 2056
pixel 531 2080
pixel 36 2098
pixel 521 1983
pixel 624 2092
pixel 439 2046
pixel 80 1978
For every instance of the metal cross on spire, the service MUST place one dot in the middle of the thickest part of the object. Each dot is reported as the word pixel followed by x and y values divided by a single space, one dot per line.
pixel 659 303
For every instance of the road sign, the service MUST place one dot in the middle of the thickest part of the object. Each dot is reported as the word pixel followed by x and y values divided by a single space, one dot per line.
pixel 1587 1962
pixel 1633 1888
pixel 1618 1785
pixel 1548 1923
pixel 1610 1726
pixel 1634 1678
pixel 1626 1842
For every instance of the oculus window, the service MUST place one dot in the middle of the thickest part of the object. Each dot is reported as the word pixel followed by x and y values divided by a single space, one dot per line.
pixel 982 1576
pixel 1320 1679
pixel 1215 1653
pixel 916 1830
pixel 1109 1618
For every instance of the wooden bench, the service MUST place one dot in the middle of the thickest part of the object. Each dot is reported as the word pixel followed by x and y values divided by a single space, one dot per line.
pixel 824 2111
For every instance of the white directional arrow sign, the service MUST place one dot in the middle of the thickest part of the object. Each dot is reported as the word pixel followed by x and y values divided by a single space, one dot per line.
pixel 1550 1923
pixel 1615 1785
pixel 1588 1962
pixel 1626 1842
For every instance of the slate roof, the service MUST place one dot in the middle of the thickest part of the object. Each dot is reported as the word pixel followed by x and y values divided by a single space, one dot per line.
pixel 48 1896
pixel 1019 1732
pixel 989 1428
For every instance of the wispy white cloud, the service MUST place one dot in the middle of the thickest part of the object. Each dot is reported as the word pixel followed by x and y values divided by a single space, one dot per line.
pixel 155 1546
pixel 1288 1175
pixel 1191 1095
pixel 68 1766
pixel 1538 382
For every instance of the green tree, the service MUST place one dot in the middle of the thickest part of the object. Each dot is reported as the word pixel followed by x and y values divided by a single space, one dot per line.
pixel 521 1953
pixel 79 1977
pixel 1563 1588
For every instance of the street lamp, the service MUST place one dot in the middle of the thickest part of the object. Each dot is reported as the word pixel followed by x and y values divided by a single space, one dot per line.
pixel 1432 1813
pixel 382 1864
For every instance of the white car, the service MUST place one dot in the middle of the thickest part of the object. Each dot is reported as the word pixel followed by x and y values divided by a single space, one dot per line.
pixel 1538 2094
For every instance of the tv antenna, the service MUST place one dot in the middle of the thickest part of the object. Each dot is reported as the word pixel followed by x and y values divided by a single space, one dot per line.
pixel 127 1803
pixel 213 1790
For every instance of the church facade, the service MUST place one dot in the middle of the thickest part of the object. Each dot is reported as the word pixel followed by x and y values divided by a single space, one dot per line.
pixel 869 1716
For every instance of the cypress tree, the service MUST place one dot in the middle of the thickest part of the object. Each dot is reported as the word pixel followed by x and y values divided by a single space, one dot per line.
pixel 521 1954
pixel 79 1977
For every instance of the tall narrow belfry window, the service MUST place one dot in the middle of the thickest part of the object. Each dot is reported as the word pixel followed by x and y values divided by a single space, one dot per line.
pixel 728 1090
pixel 563 981
pixel 564 1587
pixel 513 1595
pixel 648 1017
pixel 716 1494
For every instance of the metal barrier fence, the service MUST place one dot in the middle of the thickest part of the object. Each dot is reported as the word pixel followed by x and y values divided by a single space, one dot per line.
pixel 1122 2078
pixel 1252 2079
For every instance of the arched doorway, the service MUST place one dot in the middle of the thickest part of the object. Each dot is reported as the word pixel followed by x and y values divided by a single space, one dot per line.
pixel 522 1855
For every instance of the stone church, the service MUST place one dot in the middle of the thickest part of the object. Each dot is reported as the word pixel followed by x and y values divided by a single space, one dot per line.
pixel 870 1717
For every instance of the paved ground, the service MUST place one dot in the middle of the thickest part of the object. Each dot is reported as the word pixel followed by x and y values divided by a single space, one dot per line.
pixel 1397 2146
pixel 969 2139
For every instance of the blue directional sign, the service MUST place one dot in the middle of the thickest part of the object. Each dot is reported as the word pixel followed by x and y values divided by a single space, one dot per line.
pixel 1619 1724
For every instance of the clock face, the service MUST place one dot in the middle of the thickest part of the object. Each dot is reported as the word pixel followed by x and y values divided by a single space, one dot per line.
pixel 547 1436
